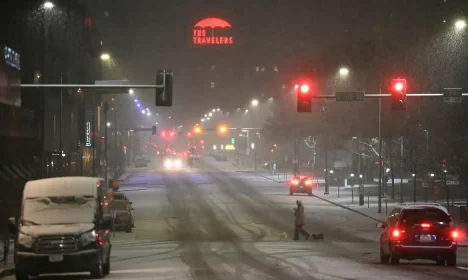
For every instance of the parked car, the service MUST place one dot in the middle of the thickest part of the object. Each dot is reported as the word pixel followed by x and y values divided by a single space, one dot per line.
pixel 61 222
pixel 121 196
pixel 122 215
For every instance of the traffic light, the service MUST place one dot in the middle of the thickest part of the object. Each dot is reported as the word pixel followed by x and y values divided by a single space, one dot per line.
pixel 222 129
pixel 233 140
pixel 398 92
pixel 153 130
pixel 164 94
pixel 304 98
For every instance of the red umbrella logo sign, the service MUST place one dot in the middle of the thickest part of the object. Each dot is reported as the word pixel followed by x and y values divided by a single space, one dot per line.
pixel 201 38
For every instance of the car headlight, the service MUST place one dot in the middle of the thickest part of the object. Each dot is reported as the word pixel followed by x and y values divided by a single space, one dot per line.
pixel 25 240
pixel 88 237
pixel 178 163
pixel 168 163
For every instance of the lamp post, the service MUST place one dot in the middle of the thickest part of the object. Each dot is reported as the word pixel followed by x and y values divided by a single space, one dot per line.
pixel 106 109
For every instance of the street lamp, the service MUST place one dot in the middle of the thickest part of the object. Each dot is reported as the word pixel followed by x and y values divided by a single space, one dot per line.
pixel 218 109
pixel 344 71
pixel 105 56
pixel 48 5
pixel 254 102
pixel 214 110
pixel 108 124
pixel 460 24
pixel 149 114
pixel 143 112
pixel 131 92
pixel 210 114
pixel 138 105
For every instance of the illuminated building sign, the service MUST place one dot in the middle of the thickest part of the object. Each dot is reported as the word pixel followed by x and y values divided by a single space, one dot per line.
pixel 202 30
pixel 88 134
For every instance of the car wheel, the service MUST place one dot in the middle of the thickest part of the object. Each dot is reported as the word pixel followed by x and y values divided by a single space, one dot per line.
pixel 383 258
pixel 440 261
pixel 452 260
pixel 394 259
pixel 21 275
pixel 98 271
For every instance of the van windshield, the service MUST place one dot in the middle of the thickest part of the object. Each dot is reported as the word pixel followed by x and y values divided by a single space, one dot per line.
pixel 59 210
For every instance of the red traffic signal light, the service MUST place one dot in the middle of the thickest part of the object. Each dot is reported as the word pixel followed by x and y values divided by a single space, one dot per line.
pixel 398 91
pixel 304 99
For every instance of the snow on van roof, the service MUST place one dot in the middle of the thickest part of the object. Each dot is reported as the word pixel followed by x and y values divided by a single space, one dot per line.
pixel 61 186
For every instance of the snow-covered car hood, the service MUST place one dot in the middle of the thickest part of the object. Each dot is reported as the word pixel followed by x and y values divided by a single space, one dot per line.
pixel 65 229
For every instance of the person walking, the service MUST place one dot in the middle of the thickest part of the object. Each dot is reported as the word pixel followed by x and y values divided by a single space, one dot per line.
pixel 299 221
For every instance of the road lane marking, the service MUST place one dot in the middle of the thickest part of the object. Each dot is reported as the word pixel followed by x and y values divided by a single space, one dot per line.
pixel 150 270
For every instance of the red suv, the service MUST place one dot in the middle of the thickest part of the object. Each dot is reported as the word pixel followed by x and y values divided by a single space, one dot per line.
pixel 301 184
pixel 419 231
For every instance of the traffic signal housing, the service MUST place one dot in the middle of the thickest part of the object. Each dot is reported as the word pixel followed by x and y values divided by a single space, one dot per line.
pixel 164 94
pixel 304 98
pixel 398 92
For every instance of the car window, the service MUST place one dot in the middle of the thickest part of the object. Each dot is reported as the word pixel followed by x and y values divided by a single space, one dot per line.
pixel 418 215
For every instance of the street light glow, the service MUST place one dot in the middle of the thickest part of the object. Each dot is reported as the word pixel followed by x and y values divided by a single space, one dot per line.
pixel 214 110
pixel 210 114
pixel 143 111
pixel 460 24
pixel 105 56
pixel 131 91
pixel 48 5
pixel 149 114
pixel 138 105
pixel 254 102
pixel 108 124
pixel 218 109
pixel 344 71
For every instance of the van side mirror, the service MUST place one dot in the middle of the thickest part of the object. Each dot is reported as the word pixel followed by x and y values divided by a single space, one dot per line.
pixel 381 225
pixel 12 228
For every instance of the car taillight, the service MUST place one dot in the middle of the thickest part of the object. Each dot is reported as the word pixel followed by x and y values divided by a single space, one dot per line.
pixel 309 182
pixel 396 233
pixel 295 182
pixel 454 234
pixel 425 225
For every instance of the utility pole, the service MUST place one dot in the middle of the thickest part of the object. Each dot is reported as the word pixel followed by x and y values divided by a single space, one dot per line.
pixel 60 129
pixel 117 151
pixel 93 138
pixel 379 209
pixel 326 149
pixel 106 109
pixel 295 158
pixel 401 169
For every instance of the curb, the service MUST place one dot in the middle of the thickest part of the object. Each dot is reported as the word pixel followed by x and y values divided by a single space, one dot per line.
pixel 7 272
pixel 273 180
pixel 348 208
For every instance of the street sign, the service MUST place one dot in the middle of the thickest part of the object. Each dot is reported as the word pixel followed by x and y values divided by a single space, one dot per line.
pixel 452 95
pixel 350 96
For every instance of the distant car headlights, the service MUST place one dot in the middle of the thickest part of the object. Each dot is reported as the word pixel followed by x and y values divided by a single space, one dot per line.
pixel 168 163
pixel 178 164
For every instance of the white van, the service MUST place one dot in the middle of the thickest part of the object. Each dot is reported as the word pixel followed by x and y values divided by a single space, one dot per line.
pixel 64 227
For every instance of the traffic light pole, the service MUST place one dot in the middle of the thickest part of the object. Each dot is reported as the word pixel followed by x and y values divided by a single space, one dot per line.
pixel 379 209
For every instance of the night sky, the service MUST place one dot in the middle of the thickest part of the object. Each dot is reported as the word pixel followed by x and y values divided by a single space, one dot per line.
pixel 294 36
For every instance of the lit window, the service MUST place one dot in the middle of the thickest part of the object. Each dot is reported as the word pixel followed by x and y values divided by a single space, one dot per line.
pixel 275 68
pixel 212 85
pixel 257 68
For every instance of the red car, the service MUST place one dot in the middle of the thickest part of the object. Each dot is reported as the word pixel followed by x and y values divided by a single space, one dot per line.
pixel 301 184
